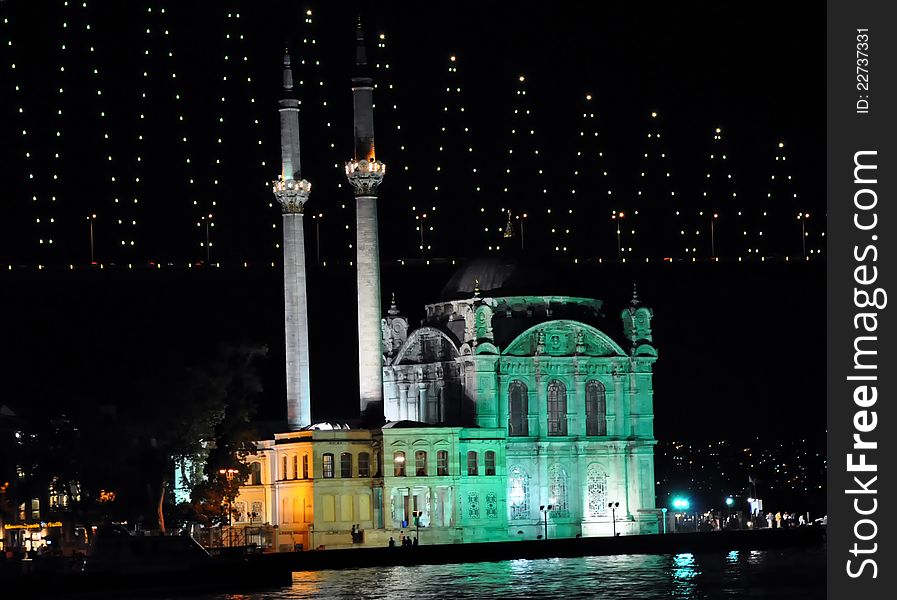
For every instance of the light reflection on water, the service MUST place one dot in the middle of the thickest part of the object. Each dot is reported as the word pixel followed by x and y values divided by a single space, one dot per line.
pixel 797 574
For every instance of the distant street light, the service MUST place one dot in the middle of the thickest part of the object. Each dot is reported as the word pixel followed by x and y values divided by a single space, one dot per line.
pixel 613 506
pixel 618 216
pixel 522 219
pixel 317 219
pixel 802 217
pixel 91 218
pixel 730 501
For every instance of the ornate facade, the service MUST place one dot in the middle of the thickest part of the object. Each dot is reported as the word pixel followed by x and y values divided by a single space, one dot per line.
pixel 497 406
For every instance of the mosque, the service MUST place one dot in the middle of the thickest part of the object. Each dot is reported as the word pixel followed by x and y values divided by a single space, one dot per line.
pixel 510 414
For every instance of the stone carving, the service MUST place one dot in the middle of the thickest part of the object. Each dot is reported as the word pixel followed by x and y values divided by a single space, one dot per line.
pixel 394 329
pixel 563 338
pixel 483 324
pixel 540 342
pixel 580 342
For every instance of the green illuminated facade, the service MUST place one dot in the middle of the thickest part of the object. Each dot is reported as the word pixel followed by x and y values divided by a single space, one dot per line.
pixel 497 407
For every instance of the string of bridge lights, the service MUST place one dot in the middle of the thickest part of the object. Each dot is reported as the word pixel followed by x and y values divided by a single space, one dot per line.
pixel 457 127
pixel 590 160
pixel 182 129
pixel 717 195
pixel 26 137
pixel 340 222
pixel 253 110
pixel 387 92
pixel 100 102
pixel 127 219
pixel 517 160
pixel 55 182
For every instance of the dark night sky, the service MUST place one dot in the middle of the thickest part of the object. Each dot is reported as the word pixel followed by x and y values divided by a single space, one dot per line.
pixel 751 334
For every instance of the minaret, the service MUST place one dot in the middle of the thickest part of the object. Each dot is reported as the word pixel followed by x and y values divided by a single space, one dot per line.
pixel 292 192
pixel 365 173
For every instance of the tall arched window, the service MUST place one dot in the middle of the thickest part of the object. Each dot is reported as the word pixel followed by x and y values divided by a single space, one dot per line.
pixel 557 408
pixel 518 494
pixel 557 490
pixel 327 470
pixel 442 466
pixel 596 409
pixel 472 468
pixel 364 464
pixel 345 465
pixel 517 409
pixel 255 473
pixel 398 460
pixel 295 466
pixel 305 466
pixel 420 463
pixel 596 480
pixel 283 467
pixel 490 462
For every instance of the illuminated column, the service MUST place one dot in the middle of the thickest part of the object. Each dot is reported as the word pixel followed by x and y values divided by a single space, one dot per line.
pixel 365 173
pixel 292 192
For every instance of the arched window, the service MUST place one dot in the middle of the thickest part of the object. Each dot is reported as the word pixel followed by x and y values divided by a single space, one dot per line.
pixel 442 467
pixel 557 408
pixel 596 409
pixel 517 409
pixel 518 494
pixel 345 465
pixel 398 460
pixel 255 473
pixel 596 480
pixel 490 462
pixel 557 490
pixel 327 470
pixel 305 466
pixel 472 463
pixel 364 464
pixel 420 463
pixel 283 467
pixel 295 466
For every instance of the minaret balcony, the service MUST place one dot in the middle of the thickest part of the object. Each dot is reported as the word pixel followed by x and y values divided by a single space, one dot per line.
pixel 292 194
pixel 365 176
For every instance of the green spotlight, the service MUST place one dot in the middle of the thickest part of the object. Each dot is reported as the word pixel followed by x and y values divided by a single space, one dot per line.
pixel 680 503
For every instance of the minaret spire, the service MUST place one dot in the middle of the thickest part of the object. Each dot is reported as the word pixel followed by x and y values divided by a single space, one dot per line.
pixel 361 59
pixel 365 173
pixel 292 193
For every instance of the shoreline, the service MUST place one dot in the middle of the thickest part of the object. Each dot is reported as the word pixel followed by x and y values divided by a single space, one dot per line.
pixel 671 543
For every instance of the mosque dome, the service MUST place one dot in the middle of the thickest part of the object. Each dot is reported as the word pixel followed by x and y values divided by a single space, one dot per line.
pixel 510 276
